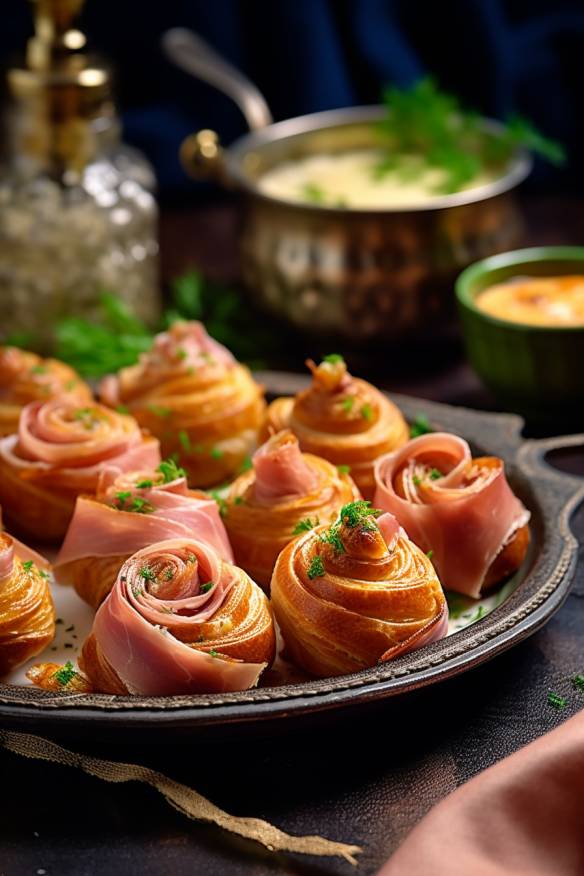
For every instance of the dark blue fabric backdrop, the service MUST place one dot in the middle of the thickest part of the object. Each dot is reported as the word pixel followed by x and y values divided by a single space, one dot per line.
pixel 308 55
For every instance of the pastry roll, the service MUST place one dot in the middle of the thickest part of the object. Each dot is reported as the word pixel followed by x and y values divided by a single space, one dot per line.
pixel 179 620
pixel 132 511
pixel 59 452
pixel 356 593
pixel 462 509
pixel 27 614
pixel 191 393
pixel 25 377
pixel 286 492
pixel 341 418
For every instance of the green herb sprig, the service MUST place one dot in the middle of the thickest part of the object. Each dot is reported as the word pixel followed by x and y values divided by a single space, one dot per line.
pixel 432 127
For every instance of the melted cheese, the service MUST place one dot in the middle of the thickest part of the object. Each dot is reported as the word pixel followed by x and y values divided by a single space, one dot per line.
pixel 349 179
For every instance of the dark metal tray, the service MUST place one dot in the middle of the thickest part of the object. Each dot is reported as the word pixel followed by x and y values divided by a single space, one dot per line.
pixel 551 497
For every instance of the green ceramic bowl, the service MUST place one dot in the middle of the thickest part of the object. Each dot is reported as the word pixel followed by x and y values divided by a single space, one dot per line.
pixel 537 371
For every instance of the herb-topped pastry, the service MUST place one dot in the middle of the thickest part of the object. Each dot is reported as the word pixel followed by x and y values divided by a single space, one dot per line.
pixel 341 418
pixel 25 377
pixel 179 620
pixel 285 493
pixel 59 452
pixel 129 512
pixel 462 509
pixel 355 594
pixel 191 393
pixel 27 614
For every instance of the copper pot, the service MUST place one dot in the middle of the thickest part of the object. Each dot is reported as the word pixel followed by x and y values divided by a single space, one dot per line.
pixel 355 274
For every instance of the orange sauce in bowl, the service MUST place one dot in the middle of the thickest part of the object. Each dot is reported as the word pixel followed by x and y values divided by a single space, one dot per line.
pixel 544 301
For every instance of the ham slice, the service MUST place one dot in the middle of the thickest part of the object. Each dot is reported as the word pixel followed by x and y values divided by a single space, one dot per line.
pixel 465 517
pixel 280 469
pixel 58 438
pixel 99 530
pixel 134 628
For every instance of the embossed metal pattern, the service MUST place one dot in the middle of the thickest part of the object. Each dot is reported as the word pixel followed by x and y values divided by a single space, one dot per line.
pixel 551 496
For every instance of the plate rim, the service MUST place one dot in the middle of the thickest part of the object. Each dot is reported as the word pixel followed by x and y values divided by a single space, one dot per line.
pixel 525 461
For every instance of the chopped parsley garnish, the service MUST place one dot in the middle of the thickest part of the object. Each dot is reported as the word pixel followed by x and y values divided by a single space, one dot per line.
pixel 191 558
pixel 430 554
pixel 556 700
pixel 87 416
pixel 479 613
pixel 39 369
pixel 122 497
pixel 578 682
pixel 213 653
pixel 333 358
pixel 367 412
pixel 216 453
pixel 416 480
pixel 181 354
pixel 141 506
pixel 206 587
pixel 238 500
pixel 312 192
pixel 420 426
pixel 28 565
pixel 332 537
pixel 147 573
pixel 221 503
pixel 65 674
pixel 169 574
pixel 159 410
pixel 70 385
pixel 316 568
pixel 170 471
pixel 43 574
pixel 305 525
pixel 359 513
pixel 185 441
pixel 435 474
pixel 246 465
pixel 344 469
pixel 122 409
pixel 144 485
pixel 348 403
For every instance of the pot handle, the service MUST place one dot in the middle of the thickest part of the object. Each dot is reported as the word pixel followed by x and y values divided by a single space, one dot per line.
pixel 192 54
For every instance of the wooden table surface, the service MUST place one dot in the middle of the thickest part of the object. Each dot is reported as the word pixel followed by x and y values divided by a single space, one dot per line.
pixel 367 778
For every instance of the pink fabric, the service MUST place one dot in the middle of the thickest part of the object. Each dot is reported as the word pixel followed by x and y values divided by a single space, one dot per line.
pixel 280 469
pixel 464 523
pixel 522 817
pixel 134 628
pixel 98 530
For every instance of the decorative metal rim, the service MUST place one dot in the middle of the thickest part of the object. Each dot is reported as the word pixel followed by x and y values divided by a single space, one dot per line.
pixel 552 496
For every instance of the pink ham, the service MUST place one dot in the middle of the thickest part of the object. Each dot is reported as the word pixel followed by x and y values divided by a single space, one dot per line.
pixel 98 530
pixel 134 629
pixel 280 469
pixel 50 440
pixel 465 517
pixel 390 529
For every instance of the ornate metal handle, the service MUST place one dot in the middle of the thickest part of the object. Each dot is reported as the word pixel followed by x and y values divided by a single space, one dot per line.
pixel 534 452
pixel 192 54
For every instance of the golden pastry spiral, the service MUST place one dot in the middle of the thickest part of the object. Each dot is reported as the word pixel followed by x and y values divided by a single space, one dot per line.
pixel 59 452
pixel 26 377
pixel 27 615
pixel 179 620
pixel 190 392
pixel 355 594
pixel 260 526
pixel 342 419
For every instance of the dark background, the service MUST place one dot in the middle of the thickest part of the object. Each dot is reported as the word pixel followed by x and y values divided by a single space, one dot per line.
pixel 308 55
